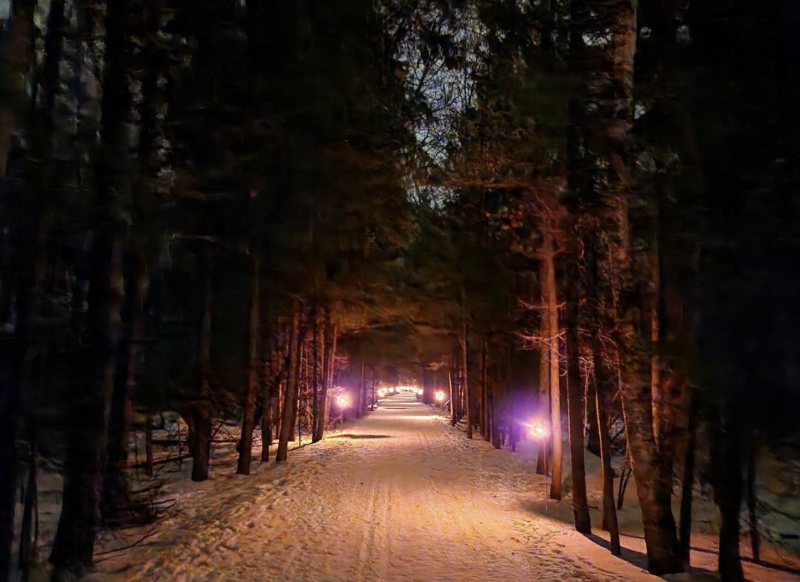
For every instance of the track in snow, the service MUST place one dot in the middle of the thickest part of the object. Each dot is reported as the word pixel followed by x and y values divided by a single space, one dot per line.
pixel 398 496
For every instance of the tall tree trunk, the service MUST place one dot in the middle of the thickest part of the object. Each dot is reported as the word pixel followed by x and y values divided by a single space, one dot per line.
pixel 320 363
pixel 487 424
pixel 453 393
pixel 687 487
pixel 199 418
pixel 27 539
pixel 593 437
pixel 16 58
pixel 78 526
pixel 544 389
pixel 465 361
pixel 604 124
pixel 248 424
pixel 726 458
pixel 556 432
pixel 361 392
pixel 315 374
pixel 290 400
pixel 575 403
pixel 116 498
pixel 609 510
pixel 268 371
pixel 329 339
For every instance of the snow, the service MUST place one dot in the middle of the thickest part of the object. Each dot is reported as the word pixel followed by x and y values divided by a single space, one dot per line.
pixel 399 495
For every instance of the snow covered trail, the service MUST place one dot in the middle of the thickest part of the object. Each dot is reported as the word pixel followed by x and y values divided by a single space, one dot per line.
pixel 398 496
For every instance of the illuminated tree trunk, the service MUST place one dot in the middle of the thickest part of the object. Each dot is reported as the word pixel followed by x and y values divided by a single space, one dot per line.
pixel 486 408
pixel 551 299
pixel 593 437
pixel 544 389
pixel 575 402
pixel 603 126
pixel 327 373
pixel 465 361
pixel 320 371
pixel 248 424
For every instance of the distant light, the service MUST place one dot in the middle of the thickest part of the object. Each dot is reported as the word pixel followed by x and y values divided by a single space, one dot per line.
pixel 419 391
pixel 343 401
pixel 439 396
pixel 538 429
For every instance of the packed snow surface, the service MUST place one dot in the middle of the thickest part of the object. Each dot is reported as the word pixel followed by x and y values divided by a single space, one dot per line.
pixel 397 496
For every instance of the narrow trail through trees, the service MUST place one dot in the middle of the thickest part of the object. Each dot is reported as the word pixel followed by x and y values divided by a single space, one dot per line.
pixel 397 496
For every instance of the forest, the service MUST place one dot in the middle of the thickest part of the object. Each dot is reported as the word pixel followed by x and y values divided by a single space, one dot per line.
pixel 234 211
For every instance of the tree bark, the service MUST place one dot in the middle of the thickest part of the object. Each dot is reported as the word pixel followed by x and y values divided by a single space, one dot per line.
pixel 465 361
pixel 16 57
pixel 199 418
pixel 556 431
pixel 453 393
pixel 78 525
pixel 687 487
pixel 544 389
pixel 486 395
pixel 593 438
pixel 327 375
pixel 248 424
pixel 609 510
pixel 726 457
pixel 576 407
pixel 290 400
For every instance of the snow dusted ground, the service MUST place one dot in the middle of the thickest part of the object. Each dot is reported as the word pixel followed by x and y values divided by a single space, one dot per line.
pixel 397 496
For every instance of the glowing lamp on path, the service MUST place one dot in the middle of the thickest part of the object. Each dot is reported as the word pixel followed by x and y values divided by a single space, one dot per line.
pixel 419 391
pixel 439 396
pixel 343 401
pixel 538 430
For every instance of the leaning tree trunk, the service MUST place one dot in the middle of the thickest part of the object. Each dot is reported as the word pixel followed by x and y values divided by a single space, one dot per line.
pixel 248 424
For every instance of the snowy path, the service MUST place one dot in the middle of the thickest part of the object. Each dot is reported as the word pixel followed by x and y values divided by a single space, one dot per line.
pixel 399 496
